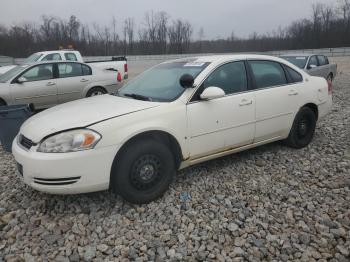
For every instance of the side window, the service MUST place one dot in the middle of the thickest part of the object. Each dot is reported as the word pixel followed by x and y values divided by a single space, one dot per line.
pixel 38 73
pixel 231 77
pixel 313 61
pixel 321 60
pixel 327 61
pixel 70 57
pixel 52 57
pixel 86 70
pixel 268 73
pixel 294 76
pixel 69 70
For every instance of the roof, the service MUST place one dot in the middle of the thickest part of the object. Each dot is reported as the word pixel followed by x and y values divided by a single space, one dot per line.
pixel 297 54
pixel 218 58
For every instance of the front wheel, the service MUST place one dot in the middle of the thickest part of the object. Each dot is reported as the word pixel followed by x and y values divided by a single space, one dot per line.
pixel 303 129
pixel 143 172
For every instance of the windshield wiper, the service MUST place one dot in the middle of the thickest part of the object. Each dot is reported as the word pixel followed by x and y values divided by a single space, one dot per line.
pixel 138 97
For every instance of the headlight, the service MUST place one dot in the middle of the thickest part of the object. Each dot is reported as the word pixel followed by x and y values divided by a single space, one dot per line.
pixel 70 141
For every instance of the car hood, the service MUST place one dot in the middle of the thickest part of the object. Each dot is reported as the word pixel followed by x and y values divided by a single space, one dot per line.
pixel 80 113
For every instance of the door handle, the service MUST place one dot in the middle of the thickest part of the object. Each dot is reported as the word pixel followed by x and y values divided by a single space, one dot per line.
pixel 244 102
pixel 84 80
pixel 51 84
pixel 293 93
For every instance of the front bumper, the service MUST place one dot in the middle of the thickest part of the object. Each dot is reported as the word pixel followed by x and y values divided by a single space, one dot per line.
pixel 65 173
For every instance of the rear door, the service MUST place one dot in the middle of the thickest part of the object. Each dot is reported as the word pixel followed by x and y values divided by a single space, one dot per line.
pixel 276 99
pixel 72 79
pixel 39 87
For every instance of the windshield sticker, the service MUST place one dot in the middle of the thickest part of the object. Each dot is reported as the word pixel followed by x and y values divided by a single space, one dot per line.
pixel 197 64
pixel 301 58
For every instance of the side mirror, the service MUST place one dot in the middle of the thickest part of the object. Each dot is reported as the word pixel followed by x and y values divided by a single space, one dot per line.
pixel 21 80
pixel 186 81
pixel 212 93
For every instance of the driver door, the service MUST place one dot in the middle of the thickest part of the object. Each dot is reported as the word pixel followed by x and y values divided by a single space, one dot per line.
pixel 222 123
pixel 37 85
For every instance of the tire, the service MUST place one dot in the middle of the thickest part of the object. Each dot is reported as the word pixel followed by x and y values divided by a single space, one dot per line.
pixel 303 129
pixel 2 102
pixel 96 91
pixel 143 172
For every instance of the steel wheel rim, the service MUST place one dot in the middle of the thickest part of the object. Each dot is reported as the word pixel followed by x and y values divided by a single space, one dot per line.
pixel 304 127
pixel 145 172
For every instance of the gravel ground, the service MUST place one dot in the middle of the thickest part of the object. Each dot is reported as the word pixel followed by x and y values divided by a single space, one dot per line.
pixel 269 203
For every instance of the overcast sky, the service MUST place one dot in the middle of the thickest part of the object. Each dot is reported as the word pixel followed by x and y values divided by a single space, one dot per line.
pixel 217 17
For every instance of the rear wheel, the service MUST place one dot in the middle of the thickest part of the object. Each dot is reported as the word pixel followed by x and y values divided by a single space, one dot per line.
pixel 96 91
pixel 143 172
pixel 2 102
pixel 303 129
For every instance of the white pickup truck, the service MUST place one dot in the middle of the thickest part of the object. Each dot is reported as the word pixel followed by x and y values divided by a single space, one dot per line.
pixel 116 63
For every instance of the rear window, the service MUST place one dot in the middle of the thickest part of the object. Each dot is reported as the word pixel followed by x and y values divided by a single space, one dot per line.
pixel 69 70
pixel 322 60
pixel 52 57
pixel 70 57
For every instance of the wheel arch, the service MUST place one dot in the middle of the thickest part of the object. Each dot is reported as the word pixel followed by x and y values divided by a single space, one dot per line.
pixel 158 135
pixel 88 88
pixel 313 107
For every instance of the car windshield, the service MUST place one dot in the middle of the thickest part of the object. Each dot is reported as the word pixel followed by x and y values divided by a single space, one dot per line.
pixel 162 83
pixel 299 61
pixel 33 58
pixel 11 73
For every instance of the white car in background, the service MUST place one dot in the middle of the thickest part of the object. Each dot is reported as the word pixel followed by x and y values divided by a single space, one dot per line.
pixel 46 84
pixel 117 63
pixel 174 115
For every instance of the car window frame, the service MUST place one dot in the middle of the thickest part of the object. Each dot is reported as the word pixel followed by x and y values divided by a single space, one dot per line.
pixel 69 62
pixel 289 77
pixel 254 86
pixel 200 89
pixel 54 73
pixel 90 69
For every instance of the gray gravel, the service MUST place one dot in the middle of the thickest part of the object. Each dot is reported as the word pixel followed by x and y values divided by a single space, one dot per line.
pixel 269 203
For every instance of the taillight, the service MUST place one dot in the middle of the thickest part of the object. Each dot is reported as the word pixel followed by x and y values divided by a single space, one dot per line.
pixel 330 87
pixel 119 77
pixel 125 67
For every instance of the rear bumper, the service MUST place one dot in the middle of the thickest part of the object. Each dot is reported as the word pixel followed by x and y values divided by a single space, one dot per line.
pixel 325 107
pixel 65 173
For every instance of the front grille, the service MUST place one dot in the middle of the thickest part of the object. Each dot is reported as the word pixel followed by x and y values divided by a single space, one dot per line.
pixel 56 181
pixel 26 142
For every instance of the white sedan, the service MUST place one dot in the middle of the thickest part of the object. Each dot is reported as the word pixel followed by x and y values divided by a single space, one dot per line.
pixel 174 115
pixel 46 84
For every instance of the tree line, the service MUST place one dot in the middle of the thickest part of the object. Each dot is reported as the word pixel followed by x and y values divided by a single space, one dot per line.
pixel 328 26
